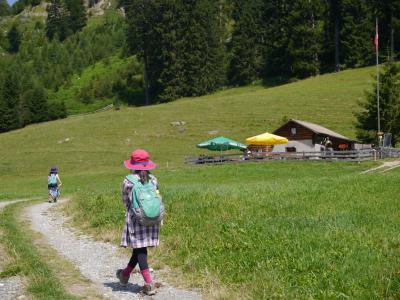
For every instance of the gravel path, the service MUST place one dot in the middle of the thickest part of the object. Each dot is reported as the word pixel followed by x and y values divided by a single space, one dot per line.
pixel 96 260
pixel 386 166
pixel 5 203
pixel 11 288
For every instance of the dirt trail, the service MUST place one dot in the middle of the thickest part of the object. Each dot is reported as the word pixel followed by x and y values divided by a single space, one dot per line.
pixel 96 260
pixel 10 287
pixel 5 203
pixel 386 166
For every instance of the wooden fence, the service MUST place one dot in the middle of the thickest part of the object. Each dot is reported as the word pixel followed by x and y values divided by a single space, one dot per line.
pixel 350 155
pixel 105 108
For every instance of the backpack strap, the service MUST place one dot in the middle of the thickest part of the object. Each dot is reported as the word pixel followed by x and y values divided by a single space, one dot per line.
pixel 136 183
pixel 132 178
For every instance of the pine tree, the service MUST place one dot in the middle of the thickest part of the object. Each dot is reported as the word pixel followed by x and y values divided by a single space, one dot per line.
pixel 330 54
pixel 37 104
pixel 57 21
pixel 388 14
pixel 275 38
pixel 3 43
pixel 166 64
pixel 245 56
pixel 9 118
pixel 14 39
pixel 5 9
pixel 202 55
pixel 356 33
pixel 389 107
pixel 305 37
pixel 76 14
pixel 57 111
pixel 293 33
pixel 53 18
pixel 143 40
pixel 18 7
pixel 180 43
pixel 35 2
pixel 4 126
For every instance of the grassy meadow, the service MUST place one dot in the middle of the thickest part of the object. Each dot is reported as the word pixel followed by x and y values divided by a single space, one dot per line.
pixel 84 146
pixel 42 282
pixel 300 230
pixel 290 230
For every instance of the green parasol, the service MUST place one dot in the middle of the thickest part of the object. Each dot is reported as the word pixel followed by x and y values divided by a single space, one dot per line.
pixel 221 144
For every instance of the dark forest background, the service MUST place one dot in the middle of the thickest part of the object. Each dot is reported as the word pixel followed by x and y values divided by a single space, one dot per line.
pixel 183 48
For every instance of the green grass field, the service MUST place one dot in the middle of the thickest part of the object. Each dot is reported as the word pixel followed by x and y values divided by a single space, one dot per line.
pixel 42 283
pixel 98 143
pixel 257 230
pixel 305 230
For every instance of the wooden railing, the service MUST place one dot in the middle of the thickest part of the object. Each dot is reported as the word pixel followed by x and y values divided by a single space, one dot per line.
pixel 105 108
pixel 390 152
pixel 350 155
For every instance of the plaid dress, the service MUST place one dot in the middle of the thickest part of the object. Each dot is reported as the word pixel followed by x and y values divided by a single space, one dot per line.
pixel 135 235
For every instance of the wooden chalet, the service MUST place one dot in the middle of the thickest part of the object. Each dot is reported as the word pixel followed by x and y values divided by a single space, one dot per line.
pixel 305 136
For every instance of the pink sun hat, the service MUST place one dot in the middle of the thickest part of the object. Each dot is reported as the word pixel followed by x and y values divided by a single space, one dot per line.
pixel 140 160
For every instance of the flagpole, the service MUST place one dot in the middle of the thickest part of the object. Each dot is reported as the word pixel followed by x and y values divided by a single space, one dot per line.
pixel 377 74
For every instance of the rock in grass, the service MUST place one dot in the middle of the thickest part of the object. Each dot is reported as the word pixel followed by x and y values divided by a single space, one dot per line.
pixel 177 123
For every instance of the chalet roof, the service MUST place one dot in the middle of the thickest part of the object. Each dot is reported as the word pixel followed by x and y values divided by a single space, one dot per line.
pixel 318 129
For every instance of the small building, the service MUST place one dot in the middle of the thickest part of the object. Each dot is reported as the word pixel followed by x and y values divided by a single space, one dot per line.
pixel 305 136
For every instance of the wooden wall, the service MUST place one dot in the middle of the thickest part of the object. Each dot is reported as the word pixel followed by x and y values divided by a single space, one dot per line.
pixel 302 133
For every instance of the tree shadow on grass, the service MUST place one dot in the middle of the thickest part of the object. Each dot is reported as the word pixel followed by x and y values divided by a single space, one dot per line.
pixel 277 81
pixel 130 96
pixel 134 97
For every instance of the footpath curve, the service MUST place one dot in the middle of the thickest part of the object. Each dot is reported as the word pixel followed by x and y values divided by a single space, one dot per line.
pixel 96 260
pixel 11 288
pixel 384 167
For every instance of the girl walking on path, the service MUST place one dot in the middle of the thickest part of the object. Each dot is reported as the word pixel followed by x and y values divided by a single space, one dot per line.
pixel 53 184
pixel 135 235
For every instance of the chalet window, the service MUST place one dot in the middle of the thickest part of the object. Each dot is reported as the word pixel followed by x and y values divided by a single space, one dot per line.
pixel 290 149
pixel 293 130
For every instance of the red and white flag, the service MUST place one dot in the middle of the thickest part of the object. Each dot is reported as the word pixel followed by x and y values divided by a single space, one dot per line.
pixel 376 38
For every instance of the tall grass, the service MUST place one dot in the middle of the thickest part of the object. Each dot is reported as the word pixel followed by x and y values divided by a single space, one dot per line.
pixel 269 230
pixel 280 230
pixel 42 282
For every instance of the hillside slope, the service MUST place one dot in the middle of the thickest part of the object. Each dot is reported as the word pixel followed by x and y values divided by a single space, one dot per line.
pixel 98 80
pixel 99 142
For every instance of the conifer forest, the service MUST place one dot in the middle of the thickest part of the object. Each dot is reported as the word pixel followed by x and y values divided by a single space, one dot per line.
pixel 180 48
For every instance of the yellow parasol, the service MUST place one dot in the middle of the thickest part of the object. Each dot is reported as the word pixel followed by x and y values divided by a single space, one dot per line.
pixel 266 139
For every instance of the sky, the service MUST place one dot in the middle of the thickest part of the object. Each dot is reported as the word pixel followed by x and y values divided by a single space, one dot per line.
pixel 11 1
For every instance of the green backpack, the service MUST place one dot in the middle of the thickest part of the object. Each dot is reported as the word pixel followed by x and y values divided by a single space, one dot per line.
pixel 147 204
pixel 52 180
